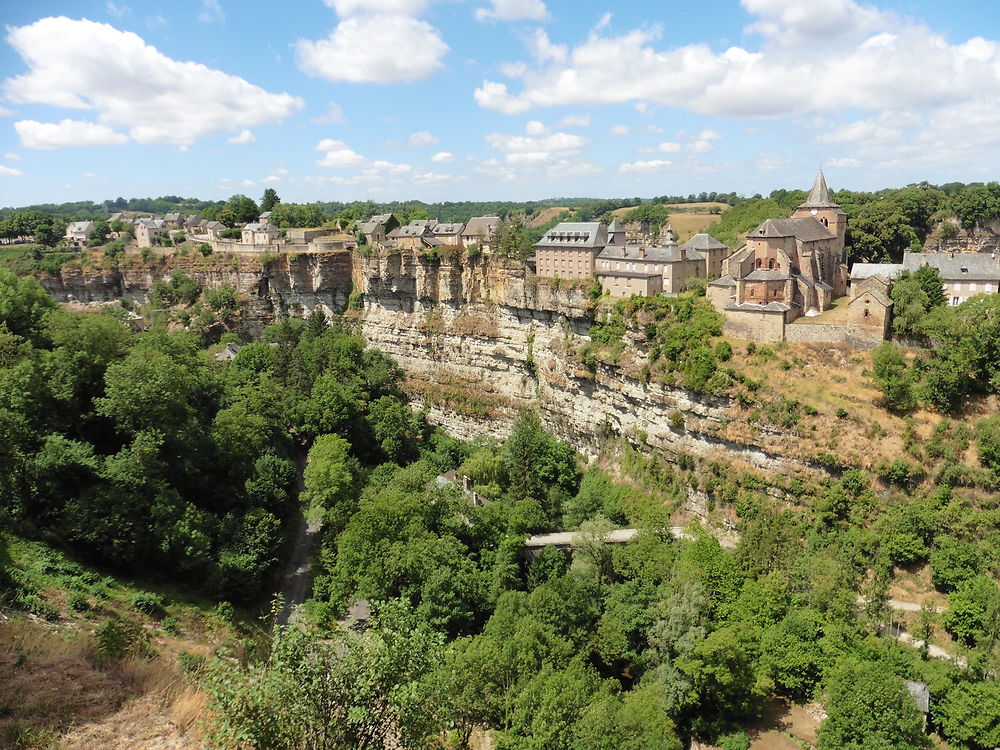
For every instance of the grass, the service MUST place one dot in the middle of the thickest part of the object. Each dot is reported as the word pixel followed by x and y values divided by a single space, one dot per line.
pixel 55 688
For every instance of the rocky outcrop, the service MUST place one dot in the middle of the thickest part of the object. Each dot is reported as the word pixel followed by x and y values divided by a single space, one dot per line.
pixel 478 338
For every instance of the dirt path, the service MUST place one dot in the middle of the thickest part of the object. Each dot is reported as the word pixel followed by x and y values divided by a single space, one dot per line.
pixel 295 582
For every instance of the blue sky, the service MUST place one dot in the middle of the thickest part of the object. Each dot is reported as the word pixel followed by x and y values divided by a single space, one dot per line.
pixel 491 99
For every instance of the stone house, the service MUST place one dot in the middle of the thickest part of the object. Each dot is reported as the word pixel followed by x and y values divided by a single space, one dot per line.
pixel 214 229
pixel 796 263
pixel 377 228
pixel 882 274
pixel 713 251
pixel 673 264
pixel 149 232
pixel 260 233
pixel 569 250
pixel 479 231
pixel 414 236
pixel 79 232
pixel 172 220
pixel 964 275
pixel 449 233
pixel 191 223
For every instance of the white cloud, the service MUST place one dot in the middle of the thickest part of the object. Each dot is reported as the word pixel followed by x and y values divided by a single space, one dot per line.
pixel 443 156
pixel 654 165
pixel 772 162
pixel 536 128
pixel 245 136
pixel 702 143
pixel 844 163
pixel 88 175
pixel 50 135
pixel 339 155
pixel 12 156
pixel 399 7
pixel 10 172
pixel 670 148
pixel 374 49
pixel 118 11
pixel 808 58
pixel 334 114
pixel 619 130
pixel 522 149
pixel 574 121
pixel 211 12
pixel 422 139
pixel 128 83
pixel 4 112
pixel 247 183
pixel 156 22
pixel 271 179
pixel 513 10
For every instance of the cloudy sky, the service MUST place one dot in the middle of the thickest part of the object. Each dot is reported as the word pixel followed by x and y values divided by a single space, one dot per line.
pixel 491 99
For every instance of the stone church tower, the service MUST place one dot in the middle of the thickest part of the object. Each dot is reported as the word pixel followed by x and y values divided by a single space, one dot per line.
pixel 825 211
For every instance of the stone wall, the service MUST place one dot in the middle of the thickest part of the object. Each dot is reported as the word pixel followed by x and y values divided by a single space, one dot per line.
pixel 753 325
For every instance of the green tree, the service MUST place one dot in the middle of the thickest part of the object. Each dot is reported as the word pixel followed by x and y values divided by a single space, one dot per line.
pixel 244 210
pixel 329 477
pixel 969 714
pixel 269 200
pixel 891 374
pixel 870 709
pixel 879 233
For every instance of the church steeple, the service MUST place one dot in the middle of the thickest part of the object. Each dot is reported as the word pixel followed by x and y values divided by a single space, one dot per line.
pixel 819 196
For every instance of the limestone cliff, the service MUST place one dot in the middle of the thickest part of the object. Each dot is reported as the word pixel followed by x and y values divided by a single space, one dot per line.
pixel 478 338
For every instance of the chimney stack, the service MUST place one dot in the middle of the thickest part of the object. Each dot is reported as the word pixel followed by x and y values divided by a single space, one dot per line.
pixel 642 253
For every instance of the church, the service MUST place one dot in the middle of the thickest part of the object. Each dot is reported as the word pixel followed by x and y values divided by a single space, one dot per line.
pixel 795 266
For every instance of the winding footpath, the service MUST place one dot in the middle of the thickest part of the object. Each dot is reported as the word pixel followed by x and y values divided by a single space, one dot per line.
pixel 295 581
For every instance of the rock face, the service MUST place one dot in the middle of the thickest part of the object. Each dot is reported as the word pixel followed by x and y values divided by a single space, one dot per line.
pixel 478 338
pixel 481 339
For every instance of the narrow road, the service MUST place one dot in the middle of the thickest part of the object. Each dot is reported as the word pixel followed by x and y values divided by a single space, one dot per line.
pixel 295 581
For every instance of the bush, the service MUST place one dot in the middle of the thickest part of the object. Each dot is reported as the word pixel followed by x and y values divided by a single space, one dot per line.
pixel 954 561
pixel 146 602
pixel 205 249
pixel 723 351
pixel 117 639
pixel 77 602
pixel 169 625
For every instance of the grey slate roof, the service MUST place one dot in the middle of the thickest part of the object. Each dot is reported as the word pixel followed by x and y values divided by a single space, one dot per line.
pixel 662 254
pixel 805 229
pixel 767 274
pixel 726 280
pixel 819 196
pixel 481 226
pixel 703 241
pixel 614 226
pixel 454 227
pixel 956 266
pixel 581 234
pixel 380 218
pixel 888 271
pixel 410 230
pixel 876 295
pixel 754 307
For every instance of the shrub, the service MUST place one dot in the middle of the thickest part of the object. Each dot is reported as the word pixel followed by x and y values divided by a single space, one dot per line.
pixel 954 561
pixel 117 639
pixel 205 249
pixel 723 351
pixel 78 602
pixel 169 625
pixel 146 602
pixel 842 413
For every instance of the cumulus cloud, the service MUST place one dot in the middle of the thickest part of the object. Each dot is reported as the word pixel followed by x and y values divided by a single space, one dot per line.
pixel 670 147
pixel 400 7
pixel 619 130
pixel 92 66
pixel 536 128
pixel 118 11
pixel 653 165
pixel 525 149
pixel 4 112
pixel 12 156
pixel 10 172
pixel 380 48
pixel 846 162
pixel 339 155
pixel 422 139
pixel 50 135
pixel 513 10
pixel 245 136
pixel 443 156
pixel 818 57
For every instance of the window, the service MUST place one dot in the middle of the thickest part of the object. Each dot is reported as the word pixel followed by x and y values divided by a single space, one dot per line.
pixel 866 312
pixel 759 262
pixel 954 300
pixel 770 264
pixel 972 286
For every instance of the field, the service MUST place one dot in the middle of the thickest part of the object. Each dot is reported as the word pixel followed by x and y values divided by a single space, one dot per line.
pixel 688 219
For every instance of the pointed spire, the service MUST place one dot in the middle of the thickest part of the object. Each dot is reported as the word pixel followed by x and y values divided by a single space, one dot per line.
pixel 819 196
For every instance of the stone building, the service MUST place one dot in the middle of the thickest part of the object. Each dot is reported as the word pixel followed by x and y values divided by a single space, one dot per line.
pixel 796 265
pixel 449 233
pixel 414 236
pixel 149 231
pixel 260 233
pixel 377 227
pixel 673 264
pixel 964 275
pixel 79 232
pixel 713 251
pixel 479 231
pixel 569 250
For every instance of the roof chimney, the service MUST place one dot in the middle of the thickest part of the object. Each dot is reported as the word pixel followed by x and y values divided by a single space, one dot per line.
pixel 642 253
